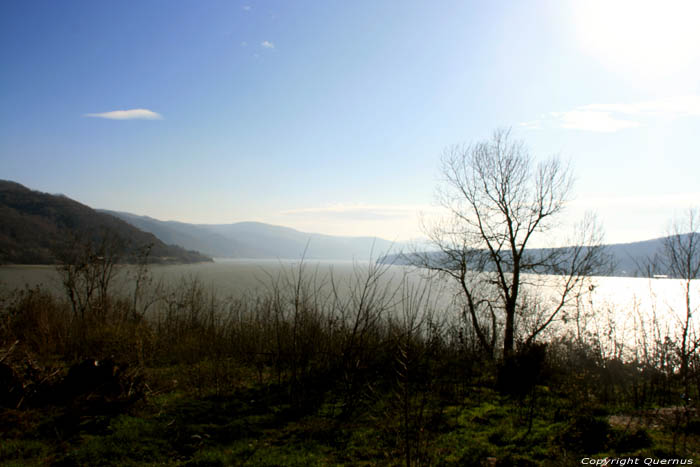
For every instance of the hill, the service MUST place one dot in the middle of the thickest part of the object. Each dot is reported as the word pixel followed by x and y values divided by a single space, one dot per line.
pixel 36 227
pixel 259 240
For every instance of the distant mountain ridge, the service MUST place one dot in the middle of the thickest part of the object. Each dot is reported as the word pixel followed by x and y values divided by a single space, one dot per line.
pixel 628 259
pixel 35 224
pixel 257 240
pixel 35 227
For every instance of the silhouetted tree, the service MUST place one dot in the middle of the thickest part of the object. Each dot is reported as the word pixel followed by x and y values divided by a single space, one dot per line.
pixel 87 269
pixel 680 258
pixel 498 201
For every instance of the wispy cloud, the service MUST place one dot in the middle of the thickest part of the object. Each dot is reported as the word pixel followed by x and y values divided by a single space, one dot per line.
pixel 360 211
pixel 589 120
pixel 679 106
pixel 633 217
pixel 246 8
pixel 618 116
pixel 667 201
pixel 391 221
pixel 267 44
pixel 131 114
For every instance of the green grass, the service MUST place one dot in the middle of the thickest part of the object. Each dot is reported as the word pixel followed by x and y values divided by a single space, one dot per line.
pixel 260 389
pixel 258 427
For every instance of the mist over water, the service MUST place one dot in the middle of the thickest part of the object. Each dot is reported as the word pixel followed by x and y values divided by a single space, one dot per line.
pixel 624 312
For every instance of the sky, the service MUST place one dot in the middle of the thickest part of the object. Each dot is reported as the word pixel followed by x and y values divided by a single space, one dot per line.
pixel 331 116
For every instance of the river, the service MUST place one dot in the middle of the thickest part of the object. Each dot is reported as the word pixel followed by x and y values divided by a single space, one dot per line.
pixel 625 312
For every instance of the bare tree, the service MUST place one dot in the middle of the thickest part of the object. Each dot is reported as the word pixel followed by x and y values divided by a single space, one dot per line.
pixel 498 201
pixel 87 270
pixel 680 259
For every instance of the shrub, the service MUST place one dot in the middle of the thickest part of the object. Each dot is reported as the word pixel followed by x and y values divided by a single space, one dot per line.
pixel 586 434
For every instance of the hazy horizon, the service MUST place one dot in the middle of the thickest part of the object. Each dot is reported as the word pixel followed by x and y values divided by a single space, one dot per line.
pixel 330 117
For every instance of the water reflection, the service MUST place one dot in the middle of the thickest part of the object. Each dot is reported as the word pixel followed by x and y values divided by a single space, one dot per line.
pixel 622 314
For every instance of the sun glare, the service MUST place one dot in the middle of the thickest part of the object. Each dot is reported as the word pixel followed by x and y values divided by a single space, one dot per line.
pixel 651 38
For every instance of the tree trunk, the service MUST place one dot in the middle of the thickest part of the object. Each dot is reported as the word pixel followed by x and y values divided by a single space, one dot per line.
pixel 509 332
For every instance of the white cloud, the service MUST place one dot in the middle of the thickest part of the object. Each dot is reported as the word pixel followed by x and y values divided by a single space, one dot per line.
pixel 267 44
pixel 589 120
pixel 246 8
pixel 132 114
pixel 679 106
pixel 532 125
pixel 634 217
pixel 618 116
pixel 360 211
pixel 399 222
pixel 668 201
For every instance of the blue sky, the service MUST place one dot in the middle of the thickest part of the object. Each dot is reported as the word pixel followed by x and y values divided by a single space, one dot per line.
pixel 330 116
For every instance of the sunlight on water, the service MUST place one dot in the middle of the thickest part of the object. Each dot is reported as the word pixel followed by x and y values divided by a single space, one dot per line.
pixel 620 312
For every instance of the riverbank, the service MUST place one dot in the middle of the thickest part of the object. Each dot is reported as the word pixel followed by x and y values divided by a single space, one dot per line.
pixel 300 375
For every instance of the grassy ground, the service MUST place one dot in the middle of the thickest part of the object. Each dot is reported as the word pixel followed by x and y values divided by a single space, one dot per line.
pixel 261 426
pixel 186 378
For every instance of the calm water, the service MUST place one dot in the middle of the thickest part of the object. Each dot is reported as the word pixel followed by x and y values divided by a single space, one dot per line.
pixel 620 307
pixel 226 276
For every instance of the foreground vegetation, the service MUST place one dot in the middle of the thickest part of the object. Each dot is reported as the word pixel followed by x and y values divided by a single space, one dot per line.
pixel 316 372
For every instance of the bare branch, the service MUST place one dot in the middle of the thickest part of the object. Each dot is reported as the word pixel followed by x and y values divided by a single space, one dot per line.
pixel 498 200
